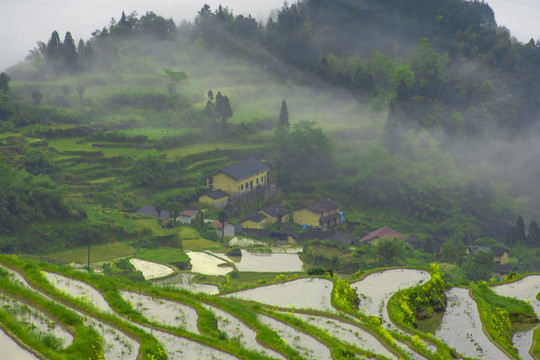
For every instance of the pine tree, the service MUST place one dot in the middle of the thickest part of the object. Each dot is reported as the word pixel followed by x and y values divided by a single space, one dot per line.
pixel 222 108
pixel 284 115
pixel 533 238
pixel 69 51
pixel 54 47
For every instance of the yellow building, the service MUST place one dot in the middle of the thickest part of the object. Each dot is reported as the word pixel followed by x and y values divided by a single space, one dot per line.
pixel 256 220
pixel 238 178
pixel 500 254
pixel 275 214
pixel 217 198
pixel 322 214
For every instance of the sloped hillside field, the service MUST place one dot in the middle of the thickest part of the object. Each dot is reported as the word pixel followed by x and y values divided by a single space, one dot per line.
pixel 72 311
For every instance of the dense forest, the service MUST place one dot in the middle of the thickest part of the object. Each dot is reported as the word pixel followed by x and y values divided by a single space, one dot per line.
pixel 420 115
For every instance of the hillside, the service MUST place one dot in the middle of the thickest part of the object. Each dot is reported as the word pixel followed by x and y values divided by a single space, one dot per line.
pixel 429 130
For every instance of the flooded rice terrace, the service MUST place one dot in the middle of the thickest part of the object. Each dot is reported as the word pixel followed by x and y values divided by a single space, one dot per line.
pixel 240 332
pixel 309 293
pixel 35 321
pixel 78 290
pixel 163 311
pixel 525 289
pixel 207 264
pixel 151 270
pixel 268 262
pixel 185 281
pixel 178 348
pixel 308 346
pixel 12 350
pixel 348 333
pixel 376 289
pixel 461 327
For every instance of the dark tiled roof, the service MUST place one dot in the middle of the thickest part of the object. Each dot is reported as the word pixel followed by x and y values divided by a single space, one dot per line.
pixel 313 235
pixel 217 194
pixel 322 206
pixel 149 210
pixel 498 251
pixel 275 210
pixel 245 169
pixel 255 217
pixel 335 236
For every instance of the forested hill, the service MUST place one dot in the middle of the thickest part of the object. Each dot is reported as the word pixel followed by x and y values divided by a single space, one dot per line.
pixel 425 110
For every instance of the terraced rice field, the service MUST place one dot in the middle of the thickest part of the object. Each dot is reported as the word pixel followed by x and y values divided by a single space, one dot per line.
pixel 177 325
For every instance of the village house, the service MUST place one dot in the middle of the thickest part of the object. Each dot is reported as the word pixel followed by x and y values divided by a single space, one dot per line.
pixel 275 214
pixel 229 228
pixel 500 254
pixel 382 233
pixel 187 215
pixel 256 220
pixel 217 198
pixel 322 214
pixel 239 178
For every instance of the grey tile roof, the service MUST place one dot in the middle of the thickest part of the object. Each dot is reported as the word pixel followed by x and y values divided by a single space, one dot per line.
pixel 256 217
pixel 275 210
pixel 245 169
pixel 216 194
pixel 149 210
pixel 322 206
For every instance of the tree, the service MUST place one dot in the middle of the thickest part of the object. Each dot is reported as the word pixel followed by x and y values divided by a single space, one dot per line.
pixel 479 266
pixel 175 79
pixel 69 52
pixel 389 249
pixel 222 108
pixel 222 217
pixel 36 96
pixel 36 162
pixel 403 80
pixel 4 83
pixel 533 237
pixel 150 172
pixel 284 115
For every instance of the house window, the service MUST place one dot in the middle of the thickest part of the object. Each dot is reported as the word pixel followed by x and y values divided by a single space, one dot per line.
pixel 262 179
pixel 247 186
pixel 242 187
pixel 257 181
pixel 251 185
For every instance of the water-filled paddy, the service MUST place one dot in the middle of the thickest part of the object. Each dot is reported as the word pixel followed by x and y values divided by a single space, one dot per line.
pixel 164 311
pixel 348 333
pixel 309 293
pixel 376 289
pixel 268 262
pixel 461 327
pixel 151 270
pixel 12 350
pixel 206 264
pixel 240 332
pixel 308 346
pixel 35 320
pixel 524 289
pixel 185 281
pixel 178 348
pixel 79 290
